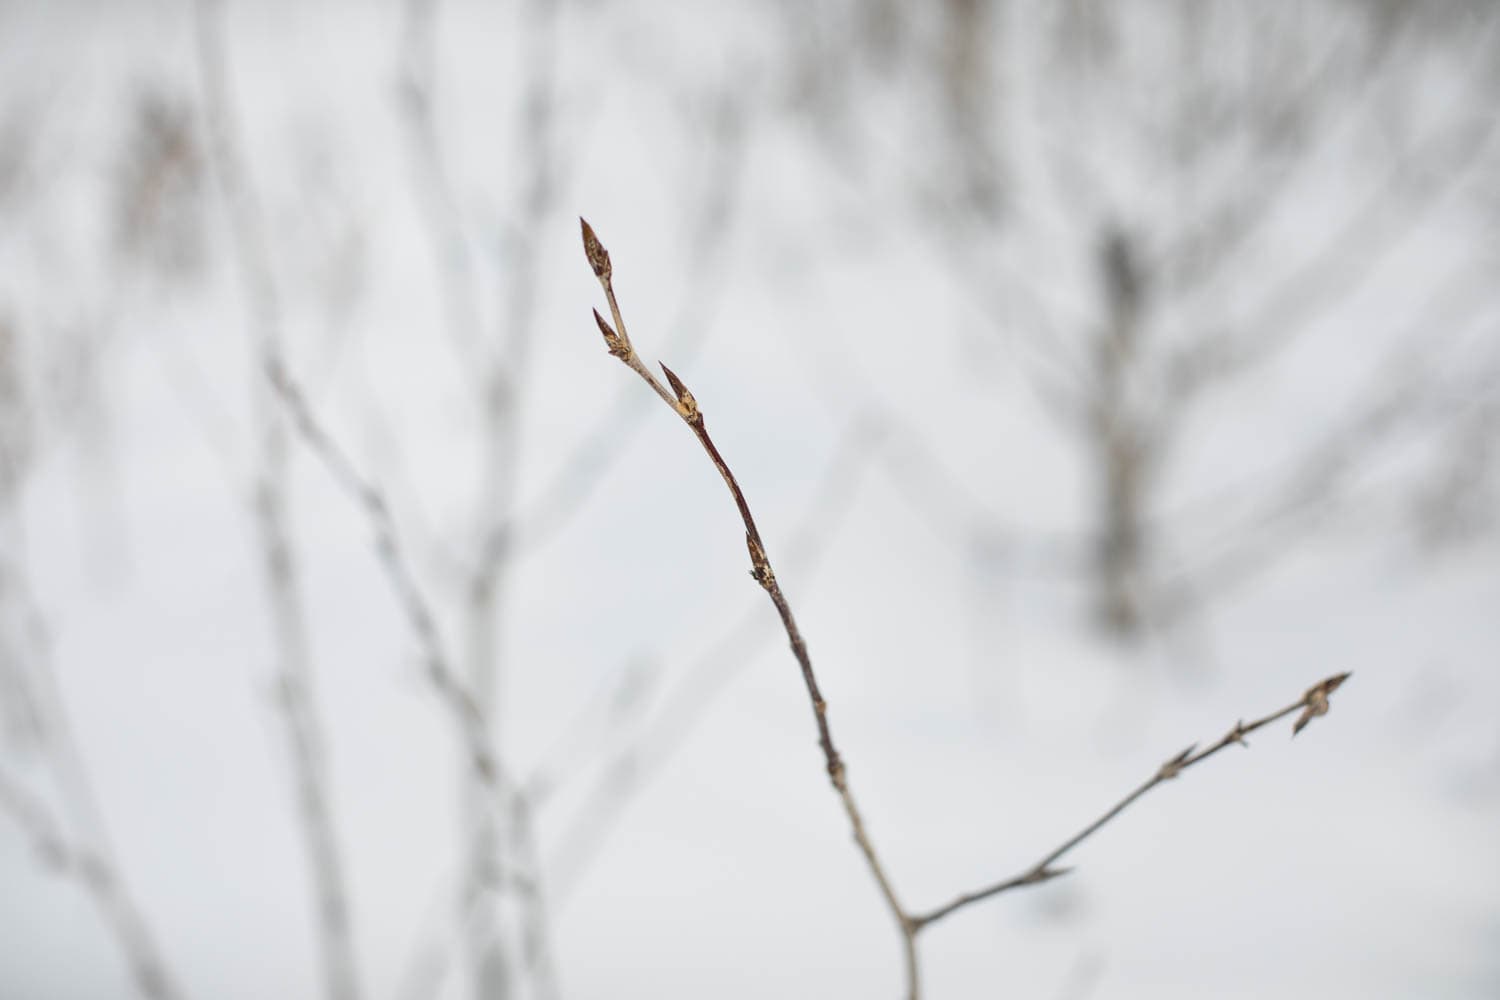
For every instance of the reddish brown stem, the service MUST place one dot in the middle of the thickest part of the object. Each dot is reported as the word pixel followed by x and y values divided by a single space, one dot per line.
pixel 617 340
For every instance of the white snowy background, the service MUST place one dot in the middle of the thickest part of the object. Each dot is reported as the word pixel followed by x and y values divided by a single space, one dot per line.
pixel 838 223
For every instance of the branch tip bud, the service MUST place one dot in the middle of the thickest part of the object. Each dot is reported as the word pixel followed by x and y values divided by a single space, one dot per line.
pixel 594 250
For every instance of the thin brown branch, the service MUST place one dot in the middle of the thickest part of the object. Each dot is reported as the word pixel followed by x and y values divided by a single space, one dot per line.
pixel 578 746
pixel 556 504
pixel 633 760
pixel 681 400
pixel 1313 703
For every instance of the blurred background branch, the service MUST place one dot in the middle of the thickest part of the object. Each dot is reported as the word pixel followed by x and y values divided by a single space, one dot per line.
pixel 1151 346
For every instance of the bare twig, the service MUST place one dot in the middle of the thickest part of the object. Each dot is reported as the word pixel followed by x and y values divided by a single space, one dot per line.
pixel 37 822
pixel 681 400
pixel 441 216
pixel 634 760
pixel 1207 248
pixel 558 501
pixel 408 592
pixel 302 719
pixel 1375 230
pixel 503 796
pixel 430 959
pixel 98 875
pixel 85 853
pixel 1313 703
pixel 536 944
pixel 1315 485
pixel 501 365
pixel 617 339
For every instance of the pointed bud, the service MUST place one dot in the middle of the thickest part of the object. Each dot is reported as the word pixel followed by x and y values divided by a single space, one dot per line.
pixel 597 255
pixel 686 404
pixel 612 340
pixel 1315 702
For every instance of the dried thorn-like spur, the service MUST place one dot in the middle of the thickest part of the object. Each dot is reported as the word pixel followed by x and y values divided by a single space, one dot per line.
pixel 1313 703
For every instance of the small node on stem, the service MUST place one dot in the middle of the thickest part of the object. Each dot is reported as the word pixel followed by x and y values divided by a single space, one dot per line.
pixel 1045 875
pixel 598 256
pixel 687 406
pixel 760 564
pixel 612 340
pixel 836 772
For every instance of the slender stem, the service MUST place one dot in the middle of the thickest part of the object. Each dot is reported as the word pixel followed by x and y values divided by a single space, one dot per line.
pixel 632 762
pixel 500 379
pixel 86 854
pixel 483 759
pixel 1313 703
pixel 686 406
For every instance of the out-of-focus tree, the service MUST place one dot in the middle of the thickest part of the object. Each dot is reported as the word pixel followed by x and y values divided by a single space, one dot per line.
pixel 1162 207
